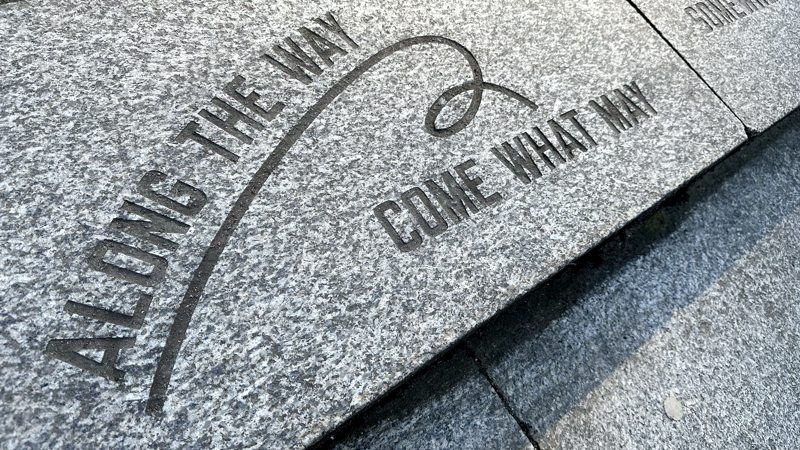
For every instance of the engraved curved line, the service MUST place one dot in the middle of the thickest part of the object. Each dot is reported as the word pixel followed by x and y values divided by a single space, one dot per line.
pixel 183 317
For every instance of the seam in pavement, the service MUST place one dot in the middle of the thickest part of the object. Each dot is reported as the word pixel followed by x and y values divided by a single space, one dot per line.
pixel 750 133
pixel 526 429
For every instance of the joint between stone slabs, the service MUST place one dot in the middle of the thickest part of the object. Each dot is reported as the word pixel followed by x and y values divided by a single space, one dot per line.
pixel 523 426
pixel 750 132
pixel 359 418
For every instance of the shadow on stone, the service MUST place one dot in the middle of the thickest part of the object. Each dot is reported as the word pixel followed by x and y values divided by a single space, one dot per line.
pixel 554 345
pixel 451 405
pixel 551 348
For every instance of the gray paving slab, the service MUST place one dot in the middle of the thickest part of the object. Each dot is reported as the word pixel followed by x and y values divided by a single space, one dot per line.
pixel 223 222
pixel 747 50
pixel 728 365
pixel 554 354
pixel 451 406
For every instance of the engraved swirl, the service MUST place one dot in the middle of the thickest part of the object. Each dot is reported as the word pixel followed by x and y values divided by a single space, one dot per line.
pixel 200 277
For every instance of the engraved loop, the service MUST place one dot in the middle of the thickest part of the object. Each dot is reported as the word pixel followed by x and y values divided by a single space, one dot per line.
pixel 201 275
pixel 477 87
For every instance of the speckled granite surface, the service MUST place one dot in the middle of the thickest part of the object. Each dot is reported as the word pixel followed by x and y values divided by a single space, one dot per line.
pixel 452 406
pixel 747 51
pixel 701 348
pixel 730 358
pixel 276 301
pixel 697 302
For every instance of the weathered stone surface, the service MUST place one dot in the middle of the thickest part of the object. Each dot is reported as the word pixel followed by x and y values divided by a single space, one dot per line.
pixel 589 360
pixel 747 51
pixel 731 357
pixel 276 304
pixel 451 406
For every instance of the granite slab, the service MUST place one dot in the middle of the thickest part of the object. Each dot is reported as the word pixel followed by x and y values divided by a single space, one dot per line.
pixel 451 406
pixel 631 310
pixel 748 51
pixel 235 224
pixel 727 364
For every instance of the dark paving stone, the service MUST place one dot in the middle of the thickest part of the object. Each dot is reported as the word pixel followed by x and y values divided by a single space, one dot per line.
pixel 451 406
pixel 550 351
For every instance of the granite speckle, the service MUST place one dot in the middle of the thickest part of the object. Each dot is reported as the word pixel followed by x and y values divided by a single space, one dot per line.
pixel 673 408
pixel 311 312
